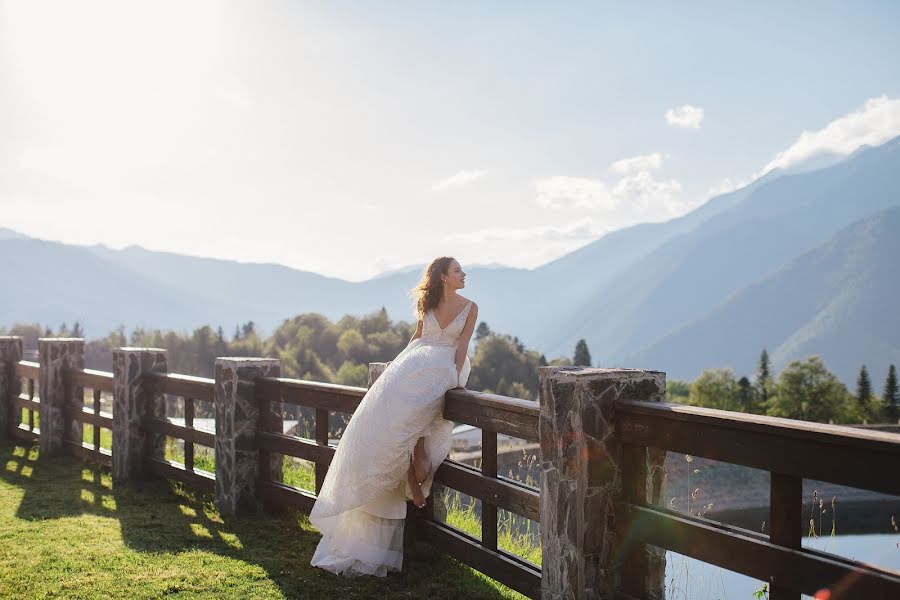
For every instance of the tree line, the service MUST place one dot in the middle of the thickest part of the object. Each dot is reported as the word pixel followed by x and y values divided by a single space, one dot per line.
pixel 805 390
pixel 312 347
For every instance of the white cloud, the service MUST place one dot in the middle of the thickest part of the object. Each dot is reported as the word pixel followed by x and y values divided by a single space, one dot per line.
pixel 875 123
pixel 458 179
pixel 581 229
pixel 638 163
pixel 685 116
pixel 726 185
pixel 636 193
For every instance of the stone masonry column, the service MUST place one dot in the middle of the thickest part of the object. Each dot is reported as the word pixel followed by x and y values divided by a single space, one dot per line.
pixel 237 421
pixel 10 386
pixel 57 355
pixel 133 397
pixel 581 480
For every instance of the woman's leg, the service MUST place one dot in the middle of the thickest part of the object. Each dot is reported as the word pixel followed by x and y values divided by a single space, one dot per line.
pixel 415 486
pixel 420 461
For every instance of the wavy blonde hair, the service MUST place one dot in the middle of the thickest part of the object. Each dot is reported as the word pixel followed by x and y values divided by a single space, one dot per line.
pixel 430 289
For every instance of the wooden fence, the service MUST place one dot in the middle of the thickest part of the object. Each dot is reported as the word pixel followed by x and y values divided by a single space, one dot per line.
pixel 789 450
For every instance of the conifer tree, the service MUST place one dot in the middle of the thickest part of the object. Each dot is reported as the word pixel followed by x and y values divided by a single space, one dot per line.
pixel 891 396
pixel 582 354
pixel 863 387
pixel 763 377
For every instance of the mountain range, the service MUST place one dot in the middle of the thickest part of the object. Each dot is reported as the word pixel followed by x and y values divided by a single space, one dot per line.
pixel 798 262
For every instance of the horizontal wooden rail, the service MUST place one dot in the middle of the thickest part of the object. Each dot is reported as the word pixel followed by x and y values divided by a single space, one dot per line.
pixel 23 433
pixel 172 470
pixel 89 378
pixel 278 493
pixel 87 415
pixel 188 434
pixel 102 456
pixel 28 369
pixel 801 570
pixel 503 493
pixel 506 568
pixel 199 388
pixel 314 394
pixel 510 416
pixel 809 450
pixel 26 402
pixel 291 446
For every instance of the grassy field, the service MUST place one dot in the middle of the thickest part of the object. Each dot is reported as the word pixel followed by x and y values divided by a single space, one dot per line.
pixel 67 532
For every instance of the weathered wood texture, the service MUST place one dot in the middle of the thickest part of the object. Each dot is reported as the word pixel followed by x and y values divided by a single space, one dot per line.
pixel 808 450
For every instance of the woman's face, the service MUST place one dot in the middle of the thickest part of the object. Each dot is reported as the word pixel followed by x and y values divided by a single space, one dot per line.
pixel 455 278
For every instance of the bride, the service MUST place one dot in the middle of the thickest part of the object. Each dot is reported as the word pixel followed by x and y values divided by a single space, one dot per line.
pixel 397 437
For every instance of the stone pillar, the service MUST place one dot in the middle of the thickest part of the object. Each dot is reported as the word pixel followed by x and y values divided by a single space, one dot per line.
pixel 10 385
pixel 375 371
pixel 237 421
pixel 581 480
pixel 56 355
pixel 133 397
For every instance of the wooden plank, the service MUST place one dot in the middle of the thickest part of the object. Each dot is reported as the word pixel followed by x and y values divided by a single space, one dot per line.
pixel 200 480
pixel 314 394
pixel 634 490
pixel 752 554
pixel 86 415
pixel 97 412
pixel 25 402
pixel 489 469
pixel 199 388
pixel 503 493
pixel 90 378
pixel 504 415
pixel 28 369
pixel 285 495
pixel 322 440
pixel 785 518
pixel 189 423
pixel 188 434
pixel 23 433
pixel 808 450
pixel 497 564
pixel 286 444
pixel 91 453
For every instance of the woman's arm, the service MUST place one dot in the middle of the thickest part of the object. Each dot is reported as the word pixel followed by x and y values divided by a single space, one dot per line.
pixel 418 332
pixel 463 346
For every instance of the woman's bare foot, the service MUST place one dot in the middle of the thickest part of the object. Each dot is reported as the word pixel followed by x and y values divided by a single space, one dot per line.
pixel 416 487
pixel 421 464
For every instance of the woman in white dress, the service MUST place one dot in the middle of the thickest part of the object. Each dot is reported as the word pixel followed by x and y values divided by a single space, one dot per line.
pixel 397 437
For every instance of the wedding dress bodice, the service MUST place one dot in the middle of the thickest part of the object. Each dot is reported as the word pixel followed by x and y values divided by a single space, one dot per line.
pixel 449 335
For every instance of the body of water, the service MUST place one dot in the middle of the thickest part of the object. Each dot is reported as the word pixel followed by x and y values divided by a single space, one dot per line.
pixel 689 579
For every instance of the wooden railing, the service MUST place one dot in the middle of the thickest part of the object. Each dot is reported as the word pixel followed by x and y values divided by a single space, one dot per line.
pixel 98 381
pixel 790 451
pixel 28 373
pixel 493 414
pixel 191 389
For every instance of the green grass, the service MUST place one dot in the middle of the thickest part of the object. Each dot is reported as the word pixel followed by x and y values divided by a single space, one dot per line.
pixel 69 532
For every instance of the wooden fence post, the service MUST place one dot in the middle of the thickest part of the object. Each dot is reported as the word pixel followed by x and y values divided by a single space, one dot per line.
pixel 10 386
pixel 56 355
pixel 135 396
pixel 582 483
pixel 237 421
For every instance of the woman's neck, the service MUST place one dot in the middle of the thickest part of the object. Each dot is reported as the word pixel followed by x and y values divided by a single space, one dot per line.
pixel 449 295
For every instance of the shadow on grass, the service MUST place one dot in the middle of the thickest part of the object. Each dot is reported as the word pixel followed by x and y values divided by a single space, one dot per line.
pixel 162 517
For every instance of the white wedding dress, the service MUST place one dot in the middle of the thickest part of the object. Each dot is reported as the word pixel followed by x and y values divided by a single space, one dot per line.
pixel 361 507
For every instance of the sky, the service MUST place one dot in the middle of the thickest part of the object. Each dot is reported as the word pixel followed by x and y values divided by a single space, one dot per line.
pixel 352 138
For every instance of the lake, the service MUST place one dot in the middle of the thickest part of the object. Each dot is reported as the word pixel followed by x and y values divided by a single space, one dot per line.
pixel 689 579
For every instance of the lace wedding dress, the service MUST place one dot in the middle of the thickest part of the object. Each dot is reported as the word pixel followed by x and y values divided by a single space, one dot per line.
pixel 361 507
